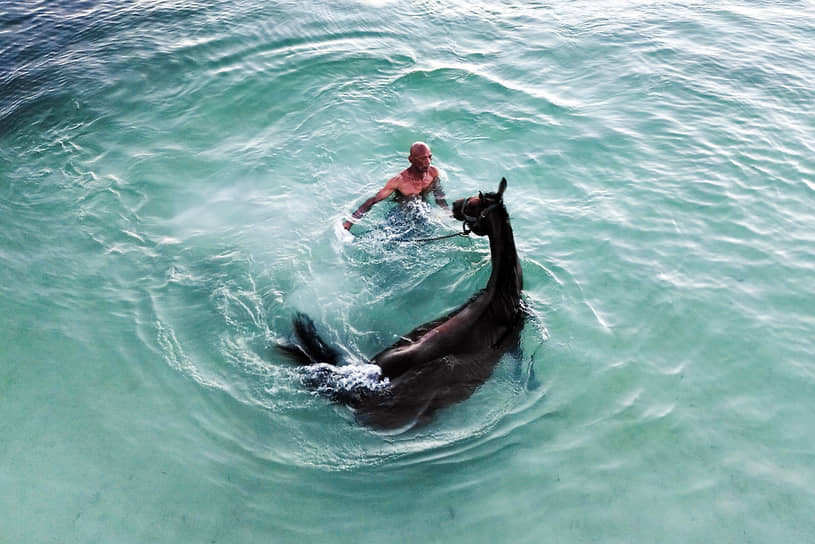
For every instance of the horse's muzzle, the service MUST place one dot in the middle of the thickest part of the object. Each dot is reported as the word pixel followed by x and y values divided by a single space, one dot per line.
pixel 458 206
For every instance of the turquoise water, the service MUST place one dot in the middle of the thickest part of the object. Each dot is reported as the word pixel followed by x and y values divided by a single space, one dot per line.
pixel 172 175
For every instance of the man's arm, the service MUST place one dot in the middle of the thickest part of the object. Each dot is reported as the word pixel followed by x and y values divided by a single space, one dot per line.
pixel 383 193
pixel 439 194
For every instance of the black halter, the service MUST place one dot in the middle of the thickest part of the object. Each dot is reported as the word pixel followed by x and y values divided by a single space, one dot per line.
pixel 475 222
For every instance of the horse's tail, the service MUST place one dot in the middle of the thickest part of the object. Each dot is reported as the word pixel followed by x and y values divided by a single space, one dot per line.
pixel 308 348
pixel 349 384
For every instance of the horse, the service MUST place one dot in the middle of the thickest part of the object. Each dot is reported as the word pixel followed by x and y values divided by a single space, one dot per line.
pixel 441 362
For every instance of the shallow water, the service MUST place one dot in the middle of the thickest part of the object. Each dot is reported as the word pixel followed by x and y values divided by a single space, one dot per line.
pixel 172 176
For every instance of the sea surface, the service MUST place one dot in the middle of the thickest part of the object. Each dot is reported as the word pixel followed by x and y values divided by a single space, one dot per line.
pixel 173 175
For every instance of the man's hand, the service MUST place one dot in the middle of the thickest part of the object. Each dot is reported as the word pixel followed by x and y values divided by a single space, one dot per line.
pixel 347 225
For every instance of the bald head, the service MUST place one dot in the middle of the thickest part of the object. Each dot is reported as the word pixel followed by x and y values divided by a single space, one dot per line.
pixel 418 147
pixel 420 156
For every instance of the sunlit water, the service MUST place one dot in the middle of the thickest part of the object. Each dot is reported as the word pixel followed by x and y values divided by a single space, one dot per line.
pixel 172 178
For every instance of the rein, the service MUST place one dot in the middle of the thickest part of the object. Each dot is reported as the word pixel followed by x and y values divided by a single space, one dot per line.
pixel 464 232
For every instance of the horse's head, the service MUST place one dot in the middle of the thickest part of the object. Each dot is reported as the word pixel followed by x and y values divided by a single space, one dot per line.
pixel 475 210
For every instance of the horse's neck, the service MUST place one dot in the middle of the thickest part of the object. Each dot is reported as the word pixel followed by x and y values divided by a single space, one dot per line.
pixel 506 280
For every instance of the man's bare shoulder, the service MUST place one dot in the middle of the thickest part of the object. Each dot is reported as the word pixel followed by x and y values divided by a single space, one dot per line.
pixel 399 179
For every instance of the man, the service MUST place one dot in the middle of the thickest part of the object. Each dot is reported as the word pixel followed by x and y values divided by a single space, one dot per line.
pixel 414 182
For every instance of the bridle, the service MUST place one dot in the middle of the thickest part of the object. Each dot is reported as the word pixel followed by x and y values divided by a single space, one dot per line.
pixel 473 221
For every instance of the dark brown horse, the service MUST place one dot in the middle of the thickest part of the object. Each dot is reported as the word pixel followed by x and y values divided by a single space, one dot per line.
pixel 441 362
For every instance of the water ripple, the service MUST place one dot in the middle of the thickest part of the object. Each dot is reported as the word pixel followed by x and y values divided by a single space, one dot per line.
pixel 172 177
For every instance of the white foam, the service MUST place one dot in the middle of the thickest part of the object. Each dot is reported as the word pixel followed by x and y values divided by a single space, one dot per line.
pixel 349 377
pixel 342 234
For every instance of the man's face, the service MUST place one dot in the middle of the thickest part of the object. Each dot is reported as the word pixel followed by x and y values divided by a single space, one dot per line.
pixel 421 158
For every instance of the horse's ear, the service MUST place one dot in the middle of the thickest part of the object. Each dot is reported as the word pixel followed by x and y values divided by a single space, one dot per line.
pixel 501 187
pixel 480 196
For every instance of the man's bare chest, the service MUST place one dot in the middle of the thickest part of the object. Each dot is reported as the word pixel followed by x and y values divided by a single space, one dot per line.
pixel 416 186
